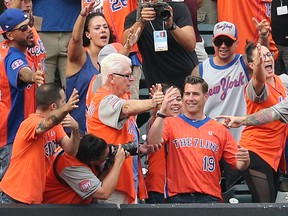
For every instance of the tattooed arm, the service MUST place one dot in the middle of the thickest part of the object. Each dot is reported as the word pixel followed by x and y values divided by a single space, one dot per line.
pixel 261 117
pixel 56 116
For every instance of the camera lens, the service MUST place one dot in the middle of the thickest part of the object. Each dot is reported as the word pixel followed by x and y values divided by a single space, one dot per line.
pixel 131 148
pixel 164 14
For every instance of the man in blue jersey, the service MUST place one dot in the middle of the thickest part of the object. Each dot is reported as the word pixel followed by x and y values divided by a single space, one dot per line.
pixel 19 77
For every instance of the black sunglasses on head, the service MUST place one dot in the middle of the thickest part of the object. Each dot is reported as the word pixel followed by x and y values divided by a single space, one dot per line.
pixel 219 41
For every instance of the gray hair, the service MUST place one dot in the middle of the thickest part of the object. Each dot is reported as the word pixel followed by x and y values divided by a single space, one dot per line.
pixel 113 63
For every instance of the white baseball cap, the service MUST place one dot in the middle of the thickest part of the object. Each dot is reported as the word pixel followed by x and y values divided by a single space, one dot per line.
pixel 225 28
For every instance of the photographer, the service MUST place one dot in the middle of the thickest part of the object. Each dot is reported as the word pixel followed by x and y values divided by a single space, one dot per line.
pixel 169 59
pixel 73 180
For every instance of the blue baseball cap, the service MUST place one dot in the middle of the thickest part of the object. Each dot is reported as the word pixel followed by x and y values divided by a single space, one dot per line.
pixel 10 18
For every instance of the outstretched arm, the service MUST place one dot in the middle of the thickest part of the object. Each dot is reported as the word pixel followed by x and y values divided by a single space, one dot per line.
pixel 28 76
pixel 261 117
pixel 259 75
pixel 56 116
pixel 135 107
pixel 76 51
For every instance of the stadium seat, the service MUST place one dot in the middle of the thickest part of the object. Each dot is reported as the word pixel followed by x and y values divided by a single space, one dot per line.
pixel 240 192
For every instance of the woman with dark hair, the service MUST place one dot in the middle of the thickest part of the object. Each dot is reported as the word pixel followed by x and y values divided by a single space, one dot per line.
pixel 265 142
pixel 90 34
pixel 155 177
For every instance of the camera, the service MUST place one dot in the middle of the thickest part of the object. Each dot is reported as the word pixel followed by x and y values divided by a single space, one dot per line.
pixel 130 147
pixel 161 9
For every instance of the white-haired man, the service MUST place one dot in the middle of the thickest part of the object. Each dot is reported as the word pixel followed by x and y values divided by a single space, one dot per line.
pixel 110 116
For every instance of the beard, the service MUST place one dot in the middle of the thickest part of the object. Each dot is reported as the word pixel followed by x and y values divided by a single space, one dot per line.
pixel 30 44
pixel 26 43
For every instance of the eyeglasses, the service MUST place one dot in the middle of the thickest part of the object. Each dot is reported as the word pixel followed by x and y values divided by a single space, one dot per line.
pixel 268 54
pixel 264 56
pixel 23 28
pixel 127 76
pixel 219 41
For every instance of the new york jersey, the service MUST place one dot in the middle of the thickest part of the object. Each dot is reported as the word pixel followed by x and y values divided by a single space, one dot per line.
pixel 226 89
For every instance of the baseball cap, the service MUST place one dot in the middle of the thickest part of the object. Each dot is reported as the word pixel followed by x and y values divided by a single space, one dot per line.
pixel 225 28
pixel 108 49
pixel 10 18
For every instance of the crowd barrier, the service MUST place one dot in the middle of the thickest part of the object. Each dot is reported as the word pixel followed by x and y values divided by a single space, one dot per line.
pixel 222 209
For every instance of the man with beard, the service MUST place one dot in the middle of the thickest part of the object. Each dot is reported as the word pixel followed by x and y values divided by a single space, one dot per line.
pixel 18 79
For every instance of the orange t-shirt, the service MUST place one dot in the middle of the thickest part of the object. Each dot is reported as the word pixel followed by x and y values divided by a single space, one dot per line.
pixel 58 193
pixel 267 140
pixel 25 178
pixel 155 177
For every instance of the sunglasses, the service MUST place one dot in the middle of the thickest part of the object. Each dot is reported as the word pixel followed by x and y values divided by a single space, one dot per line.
pixel 219 41
pixel 23 28
pixel 127 76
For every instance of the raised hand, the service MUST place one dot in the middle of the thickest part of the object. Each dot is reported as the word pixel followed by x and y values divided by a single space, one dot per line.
pixel 37 77
pixel 169 22
pixel 87 8
pixel 263 26
pixel 132 37
pixel 259 59
pixel 171 94
pixel 157 94
pixel 73 100
pixel 70 122
pixel 147 14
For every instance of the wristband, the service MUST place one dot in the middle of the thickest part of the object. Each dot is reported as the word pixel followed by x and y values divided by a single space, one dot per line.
pixel 158 114
pixel 173 27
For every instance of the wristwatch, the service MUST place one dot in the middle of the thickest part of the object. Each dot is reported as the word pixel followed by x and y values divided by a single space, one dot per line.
pixel 173 27
pixel 158 114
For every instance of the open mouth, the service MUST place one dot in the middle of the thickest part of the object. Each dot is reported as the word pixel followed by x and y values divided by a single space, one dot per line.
pixel 104 37
pixel 31 37
pixel 268 67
